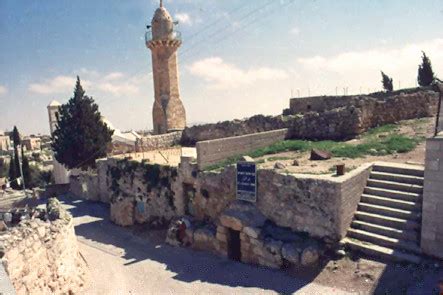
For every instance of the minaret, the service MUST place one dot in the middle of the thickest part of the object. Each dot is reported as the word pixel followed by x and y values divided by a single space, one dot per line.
pixel 61 174
pixel 168 113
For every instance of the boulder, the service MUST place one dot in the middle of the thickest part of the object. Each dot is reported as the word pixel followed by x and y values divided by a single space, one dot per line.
pixel 310 256
pixel 122 212
pixel 247 159
pixel 319 155
pixel 3 226
pixel 279 165
pixel 252 232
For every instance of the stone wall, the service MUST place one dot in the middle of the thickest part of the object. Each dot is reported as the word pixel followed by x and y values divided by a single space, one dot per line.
pixel 432 217
pixel 155 142
pixel 321 206
pixel 327 117
pixel 211 152
pixel 303 105
pixel 43 258
pixel 138 192
pixel 85 185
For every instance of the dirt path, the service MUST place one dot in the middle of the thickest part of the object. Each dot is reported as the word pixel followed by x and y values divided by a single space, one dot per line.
pixel 122 263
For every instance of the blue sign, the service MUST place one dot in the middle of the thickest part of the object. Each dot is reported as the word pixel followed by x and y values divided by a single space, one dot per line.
pixel 247 182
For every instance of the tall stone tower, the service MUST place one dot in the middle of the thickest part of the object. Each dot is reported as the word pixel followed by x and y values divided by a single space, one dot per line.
pixel 61 174
pixel 168 112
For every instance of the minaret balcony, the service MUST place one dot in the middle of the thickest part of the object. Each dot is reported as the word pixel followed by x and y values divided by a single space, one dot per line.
pixel 174 35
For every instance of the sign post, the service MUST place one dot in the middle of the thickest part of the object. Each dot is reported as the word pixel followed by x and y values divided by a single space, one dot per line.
pixel 247 182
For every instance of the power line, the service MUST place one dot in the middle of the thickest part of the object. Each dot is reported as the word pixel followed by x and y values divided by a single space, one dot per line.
pixel 221 30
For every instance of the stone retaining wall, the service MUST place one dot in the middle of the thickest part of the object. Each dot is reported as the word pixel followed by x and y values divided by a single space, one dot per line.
pixel 328 117
pixel 303 105
pixel 432 217
pixel 43 258
pixel 321 206
pixel 213 151
pixel 155 142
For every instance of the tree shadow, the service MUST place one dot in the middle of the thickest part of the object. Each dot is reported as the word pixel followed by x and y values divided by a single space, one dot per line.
pixel 187 264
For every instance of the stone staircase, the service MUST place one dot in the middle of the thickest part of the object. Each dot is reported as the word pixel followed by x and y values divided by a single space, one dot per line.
pixel 387 223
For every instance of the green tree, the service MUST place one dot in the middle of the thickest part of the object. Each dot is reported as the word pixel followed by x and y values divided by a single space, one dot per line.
pixel 15 137
pixel 80 137
pixel 14 166
pixel 425 72
pixel 387 82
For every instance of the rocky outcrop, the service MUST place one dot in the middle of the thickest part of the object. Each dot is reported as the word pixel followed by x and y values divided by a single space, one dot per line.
pixel 42 257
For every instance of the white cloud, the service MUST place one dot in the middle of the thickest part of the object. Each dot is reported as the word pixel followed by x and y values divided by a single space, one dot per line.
pixel 114 83
pixel 3 90
pixel 113 76
pixel 224 75
pixel 362 68
pixel 183 18
pixel 58 84
pixel 295 31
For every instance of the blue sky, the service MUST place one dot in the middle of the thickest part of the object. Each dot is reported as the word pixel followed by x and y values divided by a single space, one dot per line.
pixel 238 57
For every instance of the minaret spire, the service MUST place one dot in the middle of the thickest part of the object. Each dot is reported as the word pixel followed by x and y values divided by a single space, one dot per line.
pixel 161 3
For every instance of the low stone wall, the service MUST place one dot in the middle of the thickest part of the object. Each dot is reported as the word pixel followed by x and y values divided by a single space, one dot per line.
pixel 155 142
pixel 303 105
pixel 327 117
pixel 43 258
pixel 432 217
pixel 321 206
pixel 213 151
pixel 85 185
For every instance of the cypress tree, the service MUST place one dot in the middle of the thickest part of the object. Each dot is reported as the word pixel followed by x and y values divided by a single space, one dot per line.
pixel 81 136
pixel 14 166
pixel 425 72
pixel 387 82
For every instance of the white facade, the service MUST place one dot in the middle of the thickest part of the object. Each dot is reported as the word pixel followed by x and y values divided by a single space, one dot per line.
pixel 61 174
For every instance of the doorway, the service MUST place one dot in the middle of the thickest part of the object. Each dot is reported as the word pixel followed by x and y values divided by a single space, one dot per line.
pixel 234 250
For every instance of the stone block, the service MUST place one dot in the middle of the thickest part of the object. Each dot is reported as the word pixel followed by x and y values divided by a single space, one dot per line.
pixel 231 222
pixel 252 232
pixel 222 229
pixel 310 256
pixel 221 237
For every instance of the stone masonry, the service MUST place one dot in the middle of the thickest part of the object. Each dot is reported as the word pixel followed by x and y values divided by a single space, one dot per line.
pixel 213 151
pixel 42 257
pixel 328 117
pixel 168 111
pixel 432 215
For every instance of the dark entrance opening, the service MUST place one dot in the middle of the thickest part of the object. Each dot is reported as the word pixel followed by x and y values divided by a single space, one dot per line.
pixel 234 251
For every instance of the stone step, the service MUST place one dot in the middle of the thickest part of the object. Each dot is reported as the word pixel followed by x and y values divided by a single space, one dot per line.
pixel 404 234
pixel 399 169
pixel 380 252
pixel 398 186
pixel 397 178
pixel 392 194
pixel 389 211
pixel 384 241
pixel 393 222
pixel 389 202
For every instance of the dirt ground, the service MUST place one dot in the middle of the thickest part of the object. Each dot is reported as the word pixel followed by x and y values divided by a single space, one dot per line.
pixel 419 128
